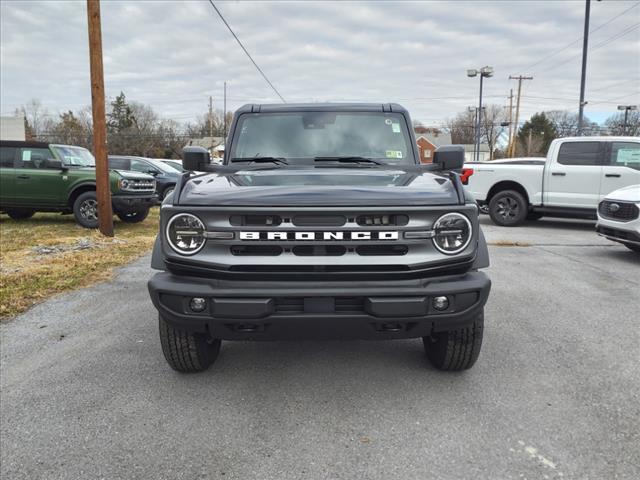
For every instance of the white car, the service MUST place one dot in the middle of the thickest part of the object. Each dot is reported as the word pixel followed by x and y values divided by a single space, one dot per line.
pixel 575 176
pixel 619 217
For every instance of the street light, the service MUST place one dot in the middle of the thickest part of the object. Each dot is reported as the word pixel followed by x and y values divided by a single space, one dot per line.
pixel 483 72
pixel 626 109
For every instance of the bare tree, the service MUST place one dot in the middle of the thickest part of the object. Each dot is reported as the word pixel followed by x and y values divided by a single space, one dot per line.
pixel 566 122
pixel 491 126
pixel 462 128
pixel 615 124
pixel 35 116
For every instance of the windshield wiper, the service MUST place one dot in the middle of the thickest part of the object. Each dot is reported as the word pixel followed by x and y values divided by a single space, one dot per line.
pixel 350 159
pixel 279 160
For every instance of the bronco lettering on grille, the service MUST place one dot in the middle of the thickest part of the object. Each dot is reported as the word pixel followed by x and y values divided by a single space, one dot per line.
pixel 324 236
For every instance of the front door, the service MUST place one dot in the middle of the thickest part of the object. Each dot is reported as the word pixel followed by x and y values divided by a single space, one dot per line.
pixel 572 179
pixel 7 175
pixel 37 185
pixel 622 167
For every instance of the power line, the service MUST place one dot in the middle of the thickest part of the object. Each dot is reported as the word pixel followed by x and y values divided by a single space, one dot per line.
pixel 245 51
pixel 612 100
pixel 601 44
pixel 553 54
pixel 634 80
pixel 615 37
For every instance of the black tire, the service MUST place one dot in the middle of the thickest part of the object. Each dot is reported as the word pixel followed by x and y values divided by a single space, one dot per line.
pixel 133 217
pixel 20 213
pixel 455 349
pixel 167 191
pixel 187 352
pixel 85 210
pixel 635 248
pixel 508 208
pixel 534 216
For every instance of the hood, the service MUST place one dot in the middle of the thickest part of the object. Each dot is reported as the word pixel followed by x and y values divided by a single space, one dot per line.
pixel 626 194
pixel 320 187
pixel 133 175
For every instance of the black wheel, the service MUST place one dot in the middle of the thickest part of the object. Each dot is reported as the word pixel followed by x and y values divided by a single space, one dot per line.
pixel 133 217
pixel 168 191
pixel 508 208
pixel 455 349
pixel 534 216
pixel 630 246
pixel 85 209
pixel 187 352
pixel 20 213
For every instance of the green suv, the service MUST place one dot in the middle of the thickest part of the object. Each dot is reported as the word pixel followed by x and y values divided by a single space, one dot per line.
pixel 43 177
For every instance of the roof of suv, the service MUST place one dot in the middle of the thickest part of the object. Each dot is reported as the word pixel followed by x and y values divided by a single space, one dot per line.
pixel 21 143
pixel 320 107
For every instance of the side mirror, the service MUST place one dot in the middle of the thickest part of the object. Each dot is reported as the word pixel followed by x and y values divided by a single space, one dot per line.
pixel 54 163
pixel 450 157
pixel 195 159
pixel 153 171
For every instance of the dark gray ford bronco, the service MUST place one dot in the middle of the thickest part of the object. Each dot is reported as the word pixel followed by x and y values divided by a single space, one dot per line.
pixel 321 223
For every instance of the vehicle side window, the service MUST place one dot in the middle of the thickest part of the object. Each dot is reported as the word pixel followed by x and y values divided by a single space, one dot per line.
pixel 119 163
pixel 625 154
pixel 580 153
pixel 7 155
pixel 32 157
pixel 140 166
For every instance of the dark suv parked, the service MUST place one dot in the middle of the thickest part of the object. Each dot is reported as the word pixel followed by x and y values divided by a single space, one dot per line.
pixel 42 177
pixel 166 176
pixel 321 223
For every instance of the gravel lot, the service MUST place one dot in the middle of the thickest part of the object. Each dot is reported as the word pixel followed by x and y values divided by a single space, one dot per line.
pixel 86 392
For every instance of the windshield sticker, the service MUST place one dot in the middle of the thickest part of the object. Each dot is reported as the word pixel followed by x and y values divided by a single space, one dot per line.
pixel 387 121
pixel 395 127
pixel 26 155
pixel 394 153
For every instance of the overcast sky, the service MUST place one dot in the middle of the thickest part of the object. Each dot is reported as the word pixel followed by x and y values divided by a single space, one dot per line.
pixel 172 55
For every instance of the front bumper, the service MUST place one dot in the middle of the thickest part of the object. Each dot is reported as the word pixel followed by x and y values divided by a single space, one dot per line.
pixel 243 310
pixel 125 203
pixel 618 231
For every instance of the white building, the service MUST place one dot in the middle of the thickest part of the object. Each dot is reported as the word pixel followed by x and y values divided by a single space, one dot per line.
pixel 12 128
pixel 469 151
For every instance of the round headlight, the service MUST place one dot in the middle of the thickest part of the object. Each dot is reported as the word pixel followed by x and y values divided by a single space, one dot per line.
pixel 452 233
pixel 124 183
pixel 185 233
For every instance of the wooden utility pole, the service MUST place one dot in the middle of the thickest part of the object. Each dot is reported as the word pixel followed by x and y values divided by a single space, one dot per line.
pixel 520 78
pixel 103 189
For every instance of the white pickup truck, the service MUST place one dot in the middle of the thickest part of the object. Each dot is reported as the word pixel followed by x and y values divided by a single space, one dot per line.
pixel 577 173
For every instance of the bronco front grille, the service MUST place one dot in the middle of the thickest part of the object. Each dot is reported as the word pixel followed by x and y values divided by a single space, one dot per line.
pixel 621 211
pixel 318 243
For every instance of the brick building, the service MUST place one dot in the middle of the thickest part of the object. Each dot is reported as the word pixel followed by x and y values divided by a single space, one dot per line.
pixel 428 141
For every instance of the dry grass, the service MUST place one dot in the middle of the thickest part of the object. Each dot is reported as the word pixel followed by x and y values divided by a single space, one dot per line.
pixel 77 256
pixel 509 243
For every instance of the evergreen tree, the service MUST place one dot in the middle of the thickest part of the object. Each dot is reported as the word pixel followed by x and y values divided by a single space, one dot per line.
pixel 121 116
pixel 536 135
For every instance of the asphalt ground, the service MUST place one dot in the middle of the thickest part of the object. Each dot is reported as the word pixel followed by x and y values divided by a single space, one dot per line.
pixel 86 393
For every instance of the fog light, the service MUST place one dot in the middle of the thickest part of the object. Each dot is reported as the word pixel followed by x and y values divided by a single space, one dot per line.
pixel 197 304
pixel 440 303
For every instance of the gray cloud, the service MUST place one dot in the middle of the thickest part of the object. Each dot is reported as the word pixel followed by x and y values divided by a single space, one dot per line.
pixel 172 55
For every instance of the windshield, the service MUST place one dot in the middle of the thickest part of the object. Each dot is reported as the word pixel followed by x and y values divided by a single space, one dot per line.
pixel 177 166
pixel 74 156
pixel 163 167
pixel 308 135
